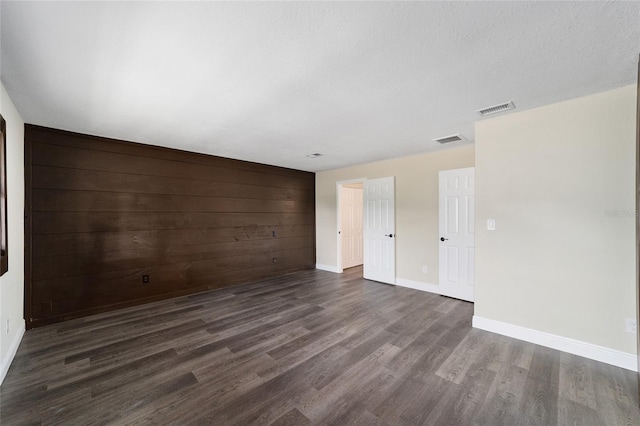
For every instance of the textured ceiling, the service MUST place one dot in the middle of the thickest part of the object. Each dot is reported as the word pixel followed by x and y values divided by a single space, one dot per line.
pixel 274 82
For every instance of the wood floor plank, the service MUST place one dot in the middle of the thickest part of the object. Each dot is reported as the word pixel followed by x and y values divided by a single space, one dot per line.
pixel 615 395
pixel 541 389
pixel 305 348
pixel 576 383
pixel 504 397
pixel 399 400
pixel 292 418
pixel 573 413
pixel 352 379
pixel 463 403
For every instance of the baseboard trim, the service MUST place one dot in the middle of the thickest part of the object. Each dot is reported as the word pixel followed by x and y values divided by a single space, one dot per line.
pixel 588 350
pixel 13 349
pixel 417 285
pixel 328 268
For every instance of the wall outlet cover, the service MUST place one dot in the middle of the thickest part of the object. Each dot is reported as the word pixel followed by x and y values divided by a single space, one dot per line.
pixel 631 325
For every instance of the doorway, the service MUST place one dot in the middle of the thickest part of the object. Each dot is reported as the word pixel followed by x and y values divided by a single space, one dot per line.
pixel 376 213
pixel 351 217
pixel 350 222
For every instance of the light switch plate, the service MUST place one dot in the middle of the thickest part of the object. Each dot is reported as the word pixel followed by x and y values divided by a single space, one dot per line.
pixel 491 224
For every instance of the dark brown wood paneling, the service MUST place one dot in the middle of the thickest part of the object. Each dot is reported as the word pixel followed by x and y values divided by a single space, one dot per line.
pixel 88 159
pixel 66 222
pixel 172 241
pixel 90 180
pixel 51 200
pixel 102 213
pixel 77 140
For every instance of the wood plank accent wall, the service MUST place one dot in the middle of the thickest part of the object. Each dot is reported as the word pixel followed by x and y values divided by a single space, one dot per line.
pixel 102 213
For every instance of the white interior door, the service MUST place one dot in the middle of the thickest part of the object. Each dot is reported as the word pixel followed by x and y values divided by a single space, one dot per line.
pixel 351 225
pixel 379 230
pixel 457 215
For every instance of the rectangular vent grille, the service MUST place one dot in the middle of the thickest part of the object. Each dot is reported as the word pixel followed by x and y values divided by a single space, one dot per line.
pixel 453 138
pixel 496 109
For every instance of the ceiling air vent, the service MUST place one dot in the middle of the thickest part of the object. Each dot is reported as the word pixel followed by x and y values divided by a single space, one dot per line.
pixel 496 109
pixel 448 139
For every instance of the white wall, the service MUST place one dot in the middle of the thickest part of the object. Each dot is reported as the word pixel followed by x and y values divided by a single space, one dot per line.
pixel 560 182
pixel 416 209
pixel 12 283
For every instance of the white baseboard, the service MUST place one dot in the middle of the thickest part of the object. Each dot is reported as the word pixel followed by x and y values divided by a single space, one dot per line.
pixel 417 285
pixel 588 350
pixel 328 268
pixel 6 362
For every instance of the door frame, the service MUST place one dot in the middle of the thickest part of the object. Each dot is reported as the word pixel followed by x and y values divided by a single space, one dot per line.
pixel 339 186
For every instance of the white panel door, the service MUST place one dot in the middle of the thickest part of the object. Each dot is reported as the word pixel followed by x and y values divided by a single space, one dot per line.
pixel 351 226
pixel 379 230
pixel 457 215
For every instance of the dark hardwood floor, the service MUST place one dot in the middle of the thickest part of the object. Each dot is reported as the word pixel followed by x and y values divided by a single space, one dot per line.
pixel 306 348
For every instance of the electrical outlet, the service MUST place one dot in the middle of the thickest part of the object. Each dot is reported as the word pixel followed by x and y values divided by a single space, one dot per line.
pixel 425 269
pixel 145 279
pixel 632 326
